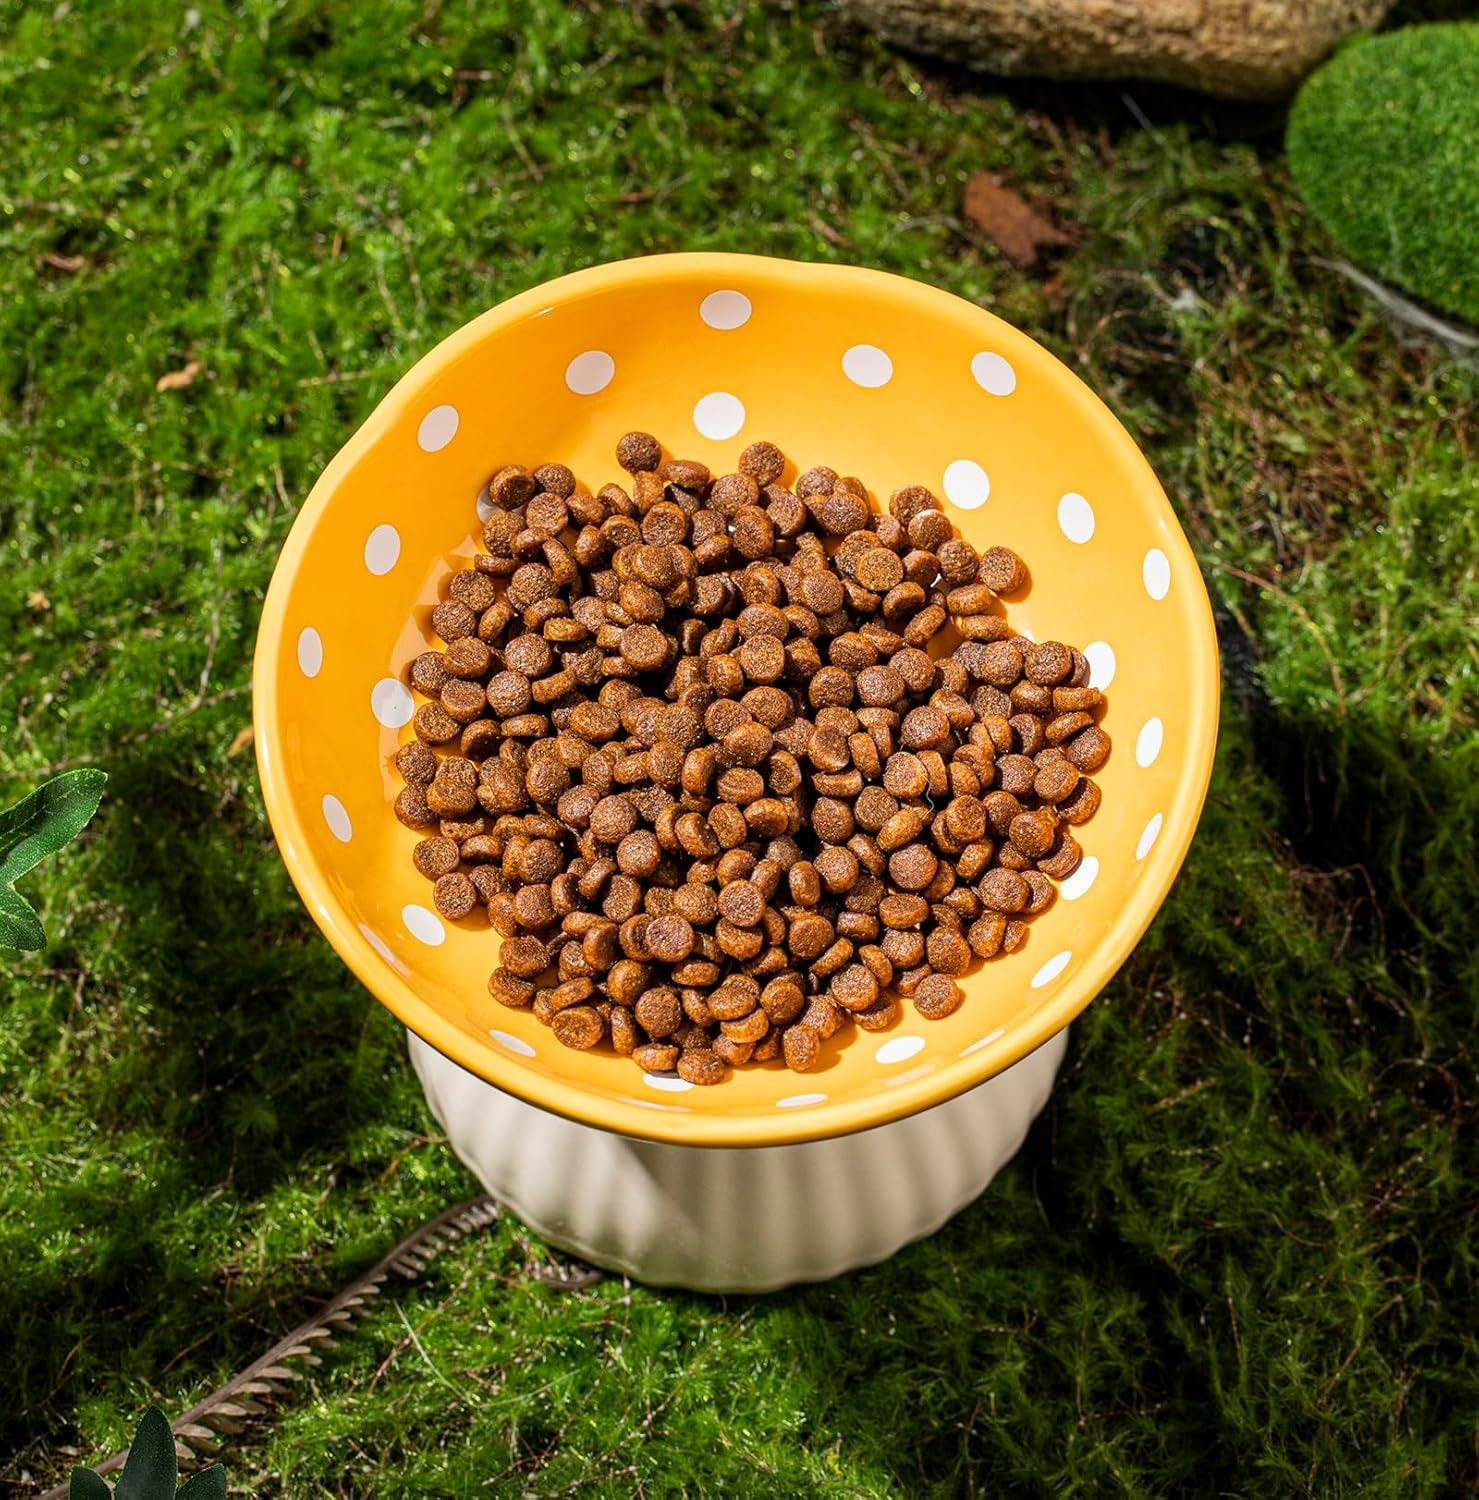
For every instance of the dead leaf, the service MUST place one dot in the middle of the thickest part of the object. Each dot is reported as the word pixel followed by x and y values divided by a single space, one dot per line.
pixel 37 600
pixel 243 739
pixel 1016 228
pixel 177 380
pixel 71 264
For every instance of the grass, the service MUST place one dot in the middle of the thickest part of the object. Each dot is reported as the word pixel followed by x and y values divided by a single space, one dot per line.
pixel 1236 1255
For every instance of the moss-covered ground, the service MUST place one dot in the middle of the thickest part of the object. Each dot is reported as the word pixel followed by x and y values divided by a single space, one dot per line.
pixel 1237 1254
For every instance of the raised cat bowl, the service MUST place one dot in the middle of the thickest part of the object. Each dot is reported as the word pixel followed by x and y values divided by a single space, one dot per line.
pixel 881 377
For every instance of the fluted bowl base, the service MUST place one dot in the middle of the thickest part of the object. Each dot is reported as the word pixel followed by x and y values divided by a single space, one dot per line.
pixel 736 1220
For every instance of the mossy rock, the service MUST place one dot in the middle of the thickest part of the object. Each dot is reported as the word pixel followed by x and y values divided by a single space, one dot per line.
pixel 1384 144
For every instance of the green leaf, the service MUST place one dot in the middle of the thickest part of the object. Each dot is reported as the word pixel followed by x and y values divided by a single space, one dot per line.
pixel 88 1486
pixel 38 825
pixel 208 1484
pixel 20 927
pixel 151 1470
pixel 53 815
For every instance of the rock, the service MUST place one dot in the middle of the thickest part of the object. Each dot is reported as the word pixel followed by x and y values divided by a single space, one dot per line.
pixel 1239 49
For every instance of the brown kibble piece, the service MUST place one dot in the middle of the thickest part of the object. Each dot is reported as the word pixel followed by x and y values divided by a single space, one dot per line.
pixel 454 896
pixel 763 462
pixel 701 1065
pixel 670 938
pixel 435 857
pixel 947 951
pixel 1089 750
pixel 1081 804
pixel 410 808
pixel 912 867
pixel 800 1044
pixel 656 1057
pixel 741 903
pixel 1033 833
pixel 639 452
pixel 578 1026
pixel 1003 890
pixel 1002 571
pixel 937 996
pixel 1056 780
pixel 1064 860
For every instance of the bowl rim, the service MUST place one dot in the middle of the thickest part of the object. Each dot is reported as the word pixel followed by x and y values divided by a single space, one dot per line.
pixel 779 1127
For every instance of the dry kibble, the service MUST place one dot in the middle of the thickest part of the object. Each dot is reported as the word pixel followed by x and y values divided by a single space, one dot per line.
pixel 763 462
pixel 936 996
pixel 1081 804
pixel 578 1026
pixel 1088 751
pixel 656 1057
pixel 639 452
pixel 800 1045
pixel 947 952
pixel 454 896
pixel 1002 571
pixel 1003 890
pixel 411 807
pixel 721 787
pixel 435 857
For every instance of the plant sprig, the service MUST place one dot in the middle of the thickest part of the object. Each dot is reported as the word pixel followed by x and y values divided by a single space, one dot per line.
pixel 151 1471
pixel 35 827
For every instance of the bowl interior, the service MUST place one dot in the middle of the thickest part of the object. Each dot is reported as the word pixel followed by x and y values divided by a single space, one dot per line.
pixel 880 377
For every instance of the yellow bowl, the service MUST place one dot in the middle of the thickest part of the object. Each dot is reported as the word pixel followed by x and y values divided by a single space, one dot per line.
pixel 878 376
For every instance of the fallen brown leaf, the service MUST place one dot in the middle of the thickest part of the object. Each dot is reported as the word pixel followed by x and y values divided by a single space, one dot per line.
pixel 1013 225
pixel 71 264
pixel 177 380
pixel 37 600
pixel 243 739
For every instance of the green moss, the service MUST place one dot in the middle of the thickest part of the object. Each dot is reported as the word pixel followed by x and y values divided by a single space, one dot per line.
pixel 1383 142
pixel 1237 1253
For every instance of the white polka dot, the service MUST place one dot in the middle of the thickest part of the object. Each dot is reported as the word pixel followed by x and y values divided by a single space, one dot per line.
pixel 719 415
pixel 1148 838
pixel 1148 742
pixel 511 1043
pixel 438 428
pixel 1075 517
pixel 337 818
pixel 424 925
pixel 1101 660
pixel 985 1041
pixel 669 1083
pixel 1051 970
pixel 966 484
pixel 485 506
pixel 725 310
pixel 374 939
pixel 899 1049
pixel 1082 878
pixel 1156 571
pixel 310 651
pixel 590 372
pixel 382 549
pixel 993 374
pixel 799 1101
pixel 391 703
pixel 868 366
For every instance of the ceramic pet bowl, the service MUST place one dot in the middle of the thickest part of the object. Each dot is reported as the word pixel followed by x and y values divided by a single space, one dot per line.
pixel 880 377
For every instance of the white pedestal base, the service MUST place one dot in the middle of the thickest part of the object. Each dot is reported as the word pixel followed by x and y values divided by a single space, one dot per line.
pixel 722 1220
